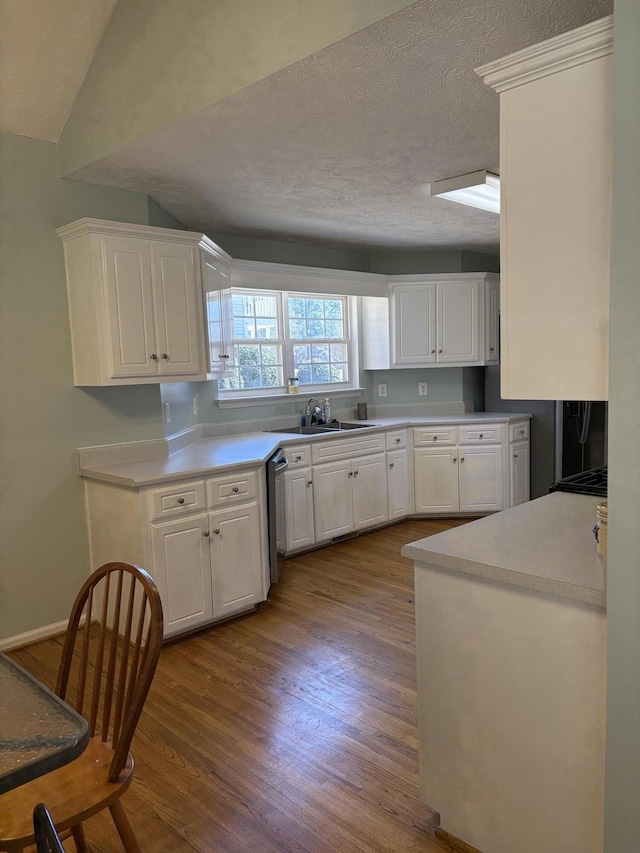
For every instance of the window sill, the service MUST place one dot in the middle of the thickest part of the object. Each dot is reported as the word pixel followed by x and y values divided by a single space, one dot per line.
pixel 270 399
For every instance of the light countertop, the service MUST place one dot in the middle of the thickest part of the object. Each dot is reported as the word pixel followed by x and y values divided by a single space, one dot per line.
pixel 545 545
pixel 215 454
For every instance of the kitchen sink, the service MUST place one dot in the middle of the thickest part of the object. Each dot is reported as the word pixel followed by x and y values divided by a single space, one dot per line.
pixel 319 429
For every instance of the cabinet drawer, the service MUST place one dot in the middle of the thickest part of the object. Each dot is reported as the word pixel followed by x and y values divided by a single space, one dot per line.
pixel 396 439
pixel 178 499
pixel 483 434
pixel 430 436
pixel 234 487
pixel 518 431
pixel 299 456
pixel 327 451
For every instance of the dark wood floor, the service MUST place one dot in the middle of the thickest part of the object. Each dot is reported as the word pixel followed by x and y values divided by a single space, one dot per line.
pixel 291 729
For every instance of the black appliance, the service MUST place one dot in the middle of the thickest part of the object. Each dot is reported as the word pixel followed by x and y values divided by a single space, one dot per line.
pixel 592 482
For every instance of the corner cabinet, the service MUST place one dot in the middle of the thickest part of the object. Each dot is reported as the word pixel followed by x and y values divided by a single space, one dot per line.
pixel 203 541
pixel 216 284
pixel 135 303
pixel 556 106
pixel 433 321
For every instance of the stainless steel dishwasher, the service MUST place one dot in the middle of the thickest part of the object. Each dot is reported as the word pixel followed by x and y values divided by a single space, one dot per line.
pixel 276 466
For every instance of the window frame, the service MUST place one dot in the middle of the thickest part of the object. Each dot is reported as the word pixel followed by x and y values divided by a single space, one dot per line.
pixel 350 340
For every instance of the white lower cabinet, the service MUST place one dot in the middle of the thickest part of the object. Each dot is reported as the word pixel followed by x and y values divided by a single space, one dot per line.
pixel 203 542
pixel 298 510
pixel 480 479
pixel 398 484
pixel 349 495
pixel 519 479
pixel 436 480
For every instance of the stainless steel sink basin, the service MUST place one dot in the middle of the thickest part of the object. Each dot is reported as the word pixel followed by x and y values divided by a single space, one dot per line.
pixel 319 429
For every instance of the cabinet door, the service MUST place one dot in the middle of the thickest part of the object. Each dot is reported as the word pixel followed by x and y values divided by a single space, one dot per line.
pixel 480 472
pixel 182 572
pixel 332 499
pixel 131 337
pixel 519 473
pixel 436 480
pixel 216 282
pixel 177 310
pixel 398 485
pixel 491 321
pixel 370 503
pixel 237 570
pixel 413 312
pixel 298 507
pixel 457 322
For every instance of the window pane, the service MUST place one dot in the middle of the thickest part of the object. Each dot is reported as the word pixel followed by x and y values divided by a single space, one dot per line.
pixel 338 352
pixel 333 308
pixel 297 329
pixel 321 373
pixel 248 354
pixel 339 373
pixel 320 353
pixel 271 377
pixel 250 377
pixel 304 374
pixel 315 307
pixel 270 355
pixel 315 329
pixel 333 329
pixel 296 307
pixel 301 353
pixel 267 327
pixel 265 306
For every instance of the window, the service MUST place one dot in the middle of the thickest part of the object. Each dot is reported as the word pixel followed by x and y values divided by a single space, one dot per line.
pixel 281 335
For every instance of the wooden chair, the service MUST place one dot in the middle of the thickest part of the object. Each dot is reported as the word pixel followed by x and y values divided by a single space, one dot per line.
pixel 108 660
pixel 47 839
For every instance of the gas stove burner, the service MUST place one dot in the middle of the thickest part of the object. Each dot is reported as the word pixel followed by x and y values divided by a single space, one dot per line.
pixel 592 482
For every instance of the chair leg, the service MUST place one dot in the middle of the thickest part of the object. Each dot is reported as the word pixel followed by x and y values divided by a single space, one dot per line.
pixel 80 840
pixel 123 826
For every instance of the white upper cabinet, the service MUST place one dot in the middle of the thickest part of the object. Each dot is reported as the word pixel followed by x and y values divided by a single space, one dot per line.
pixel 216 283
pixel 433 321
pixel 135 303
pixel 555 173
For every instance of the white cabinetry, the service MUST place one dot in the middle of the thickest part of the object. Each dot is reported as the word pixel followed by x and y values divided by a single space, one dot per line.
pixel 459 469
pixel 216 284
pixel 555 171
pixel 433 320
pixel 298 508
pixel 135 303
pixel 349 495
pixel 204 542
pixel 398 475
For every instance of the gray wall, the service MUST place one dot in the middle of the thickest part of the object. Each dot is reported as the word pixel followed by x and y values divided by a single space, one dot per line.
pixel 43 417
pixel 622 788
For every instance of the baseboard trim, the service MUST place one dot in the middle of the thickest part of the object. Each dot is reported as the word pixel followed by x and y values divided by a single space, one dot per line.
pixel 456 844
pixel 29 637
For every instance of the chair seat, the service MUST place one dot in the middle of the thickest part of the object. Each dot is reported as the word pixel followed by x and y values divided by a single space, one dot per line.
pixel 72 793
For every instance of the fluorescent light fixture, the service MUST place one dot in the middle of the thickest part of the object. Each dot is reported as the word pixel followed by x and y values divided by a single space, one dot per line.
pixel 477 189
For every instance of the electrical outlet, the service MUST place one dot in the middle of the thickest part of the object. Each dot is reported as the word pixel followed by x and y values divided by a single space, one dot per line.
pixel 422 389
pixel 195 405
pixel 167 413
pixel 382 390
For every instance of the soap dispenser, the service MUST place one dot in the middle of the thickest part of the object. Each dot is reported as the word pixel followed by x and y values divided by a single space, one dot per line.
pixel 326 411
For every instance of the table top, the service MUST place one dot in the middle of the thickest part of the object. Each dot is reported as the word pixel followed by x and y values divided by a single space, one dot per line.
pixel 38 731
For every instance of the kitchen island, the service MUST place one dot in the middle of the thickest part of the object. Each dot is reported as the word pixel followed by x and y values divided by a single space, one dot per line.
pixel 511 646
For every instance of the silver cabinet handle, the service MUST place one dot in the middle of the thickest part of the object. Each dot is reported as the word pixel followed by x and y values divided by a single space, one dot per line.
pixel 355 473
pixel 206 533
pixel 153 356
pixel 298 457
pixel 455 459
pixel 433 352
pixel 165 356
pixel 235 490
pixel 491 349
pixel 440 350
pixel 481 435
pixel 351 473
pixel 309 482
pixel 180 500
pixel 391 464
pixel 217 531
pixel 435 438
pixel 398 440
pixel 462 458
pixel 515 455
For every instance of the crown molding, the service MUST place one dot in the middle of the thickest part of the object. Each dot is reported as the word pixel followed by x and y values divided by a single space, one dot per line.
pixel 560 53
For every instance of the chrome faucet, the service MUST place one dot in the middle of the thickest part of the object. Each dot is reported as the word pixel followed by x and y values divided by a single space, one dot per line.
pixel 311 412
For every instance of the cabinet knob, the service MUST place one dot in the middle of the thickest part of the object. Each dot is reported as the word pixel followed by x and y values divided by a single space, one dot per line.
pixel 391 464
pixel 165 356
pixel 351 473
pixel 298 457
pixel 455 459
pixel 217 531
pixel 462 458
pixel 153 356
pixel 355 473
pixel 180 500
pixel 481 435
pixel 491 349
pixel 206 533
pixel 440 350
pixel 433 352
pixel 235 490
pixel 515 455
pixel 309 482
pixel 398 441
pixel 223 355
pixel 435 438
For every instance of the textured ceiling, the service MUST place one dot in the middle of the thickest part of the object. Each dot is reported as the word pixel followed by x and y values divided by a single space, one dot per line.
pixel 45 51
pixel 338 149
